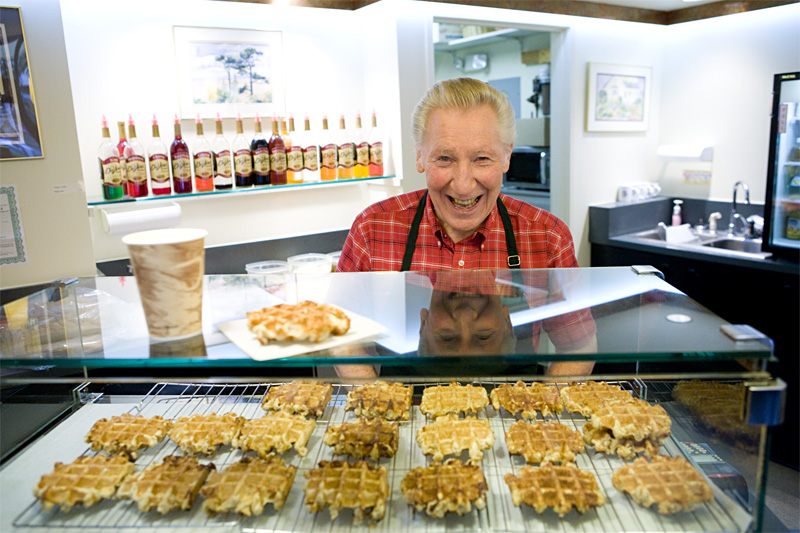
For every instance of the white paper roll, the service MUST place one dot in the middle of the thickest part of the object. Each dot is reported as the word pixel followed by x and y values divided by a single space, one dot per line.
pixel 115 223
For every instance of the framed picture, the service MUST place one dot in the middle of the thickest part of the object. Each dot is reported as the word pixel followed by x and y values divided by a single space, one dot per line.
pixel 229 71
pixel 618 98
pixel 19 123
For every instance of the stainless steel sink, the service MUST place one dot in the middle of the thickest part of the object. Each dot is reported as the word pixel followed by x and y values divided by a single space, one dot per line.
pixel 703 242
pixel 751 246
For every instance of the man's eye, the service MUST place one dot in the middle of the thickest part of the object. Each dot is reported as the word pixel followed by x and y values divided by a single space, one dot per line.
pixel 444 159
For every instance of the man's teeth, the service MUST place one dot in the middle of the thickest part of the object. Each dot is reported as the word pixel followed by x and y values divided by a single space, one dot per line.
pixel 464 203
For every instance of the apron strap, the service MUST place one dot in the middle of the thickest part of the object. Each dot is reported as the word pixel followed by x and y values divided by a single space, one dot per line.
pixel 513 260
pixel 411 242
pixel 511 243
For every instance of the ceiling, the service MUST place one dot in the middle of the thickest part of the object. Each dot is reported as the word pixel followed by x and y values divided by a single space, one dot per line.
pixel 657 5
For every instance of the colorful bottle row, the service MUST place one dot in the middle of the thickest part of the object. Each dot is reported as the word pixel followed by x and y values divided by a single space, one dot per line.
pixel 286 157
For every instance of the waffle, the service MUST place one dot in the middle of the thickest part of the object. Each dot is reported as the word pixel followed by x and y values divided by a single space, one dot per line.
pixel 204 433
pixel 172 484
pixel 343 485
pixel 670 482
pixel 380 400
pixel 586 398
pixel 306 321
pixel 304 397
pixel 718 407
pixel 453 399
pixel 247 486
pixel 87 480
pixel 364 438
pixel 278 431
pixel 559 487
pixel 449 487
pixel 127 433
pixel 627 428
pixel 449 435
pixel 519 398
pixel 544 442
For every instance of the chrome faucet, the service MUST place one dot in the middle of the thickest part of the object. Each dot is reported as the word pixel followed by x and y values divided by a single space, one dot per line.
pixel 735 214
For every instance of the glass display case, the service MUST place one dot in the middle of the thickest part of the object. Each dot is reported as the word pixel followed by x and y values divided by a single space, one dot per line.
pixel 621 325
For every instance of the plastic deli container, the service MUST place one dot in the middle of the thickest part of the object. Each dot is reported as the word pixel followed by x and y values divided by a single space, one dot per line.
pixel 334 259
pixel 310 263
pixel 268 267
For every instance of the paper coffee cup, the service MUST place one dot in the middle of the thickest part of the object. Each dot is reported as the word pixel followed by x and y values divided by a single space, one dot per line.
pixel 169 265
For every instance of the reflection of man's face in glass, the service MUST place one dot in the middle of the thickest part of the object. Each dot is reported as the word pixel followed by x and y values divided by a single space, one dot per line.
pixel 465 324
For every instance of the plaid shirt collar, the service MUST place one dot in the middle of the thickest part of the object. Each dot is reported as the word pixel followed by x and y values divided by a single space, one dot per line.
pixel 477 238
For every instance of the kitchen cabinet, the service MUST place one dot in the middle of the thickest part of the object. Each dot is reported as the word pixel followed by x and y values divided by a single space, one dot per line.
pixel 89 334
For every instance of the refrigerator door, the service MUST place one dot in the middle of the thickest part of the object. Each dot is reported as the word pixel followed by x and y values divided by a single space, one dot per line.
pixel 782 220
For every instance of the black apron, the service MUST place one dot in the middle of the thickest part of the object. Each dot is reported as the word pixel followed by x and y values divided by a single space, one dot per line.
pixel 513 260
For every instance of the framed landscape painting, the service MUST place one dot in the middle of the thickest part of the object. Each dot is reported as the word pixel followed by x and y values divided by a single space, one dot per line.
pixel 618 98
pixel 229 71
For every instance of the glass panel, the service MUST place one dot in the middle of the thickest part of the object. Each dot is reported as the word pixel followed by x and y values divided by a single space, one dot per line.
pixel 435 321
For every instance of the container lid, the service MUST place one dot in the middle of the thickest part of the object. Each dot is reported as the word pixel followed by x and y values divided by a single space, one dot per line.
pixel 311 262
pixel 267 267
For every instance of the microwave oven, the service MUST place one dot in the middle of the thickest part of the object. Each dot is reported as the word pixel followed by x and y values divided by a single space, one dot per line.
pixel 529 168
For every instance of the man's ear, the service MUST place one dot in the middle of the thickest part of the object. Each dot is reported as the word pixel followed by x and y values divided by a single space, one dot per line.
pixel 507 162
pixel 420 166
pixel 423 317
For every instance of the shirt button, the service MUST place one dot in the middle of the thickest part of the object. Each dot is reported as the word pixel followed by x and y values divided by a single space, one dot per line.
pixel 439 244
pixel 461 263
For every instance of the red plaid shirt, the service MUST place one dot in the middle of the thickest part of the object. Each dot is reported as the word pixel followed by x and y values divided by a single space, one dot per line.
pixel 377 239
pixel 378 236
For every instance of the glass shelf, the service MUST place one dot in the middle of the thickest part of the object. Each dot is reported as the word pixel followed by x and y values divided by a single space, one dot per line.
pixel 99 201
pixel 506 319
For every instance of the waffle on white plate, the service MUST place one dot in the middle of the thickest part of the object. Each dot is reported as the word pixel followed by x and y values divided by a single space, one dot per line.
pixel 127 433
pixel 628 428
pixel 450 435
pixel 670 482
pixel 166 486
pixel 560 487
pixel 544 442
pixel 373 438
pixel 247 486
pixel 303 397
pixel 453 399
pixel 204 433
pixel 449 487
pixel 586 398
pixel 86 481
pixel 526 399
pixel 277 431
pixel 381 399
pixel 306 321
pixel 338 485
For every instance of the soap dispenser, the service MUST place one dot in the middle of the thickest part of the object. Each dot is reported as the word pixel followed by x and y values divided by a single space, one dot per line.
pixel 676 213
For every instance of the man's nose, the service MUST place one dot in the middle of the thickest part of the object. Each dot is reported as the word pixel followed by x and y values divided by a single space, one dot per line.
pixel 462 181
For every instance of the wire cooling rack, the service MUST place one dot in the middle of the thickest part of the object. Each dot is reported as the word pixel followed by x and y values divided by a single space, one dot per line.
pixel 171 401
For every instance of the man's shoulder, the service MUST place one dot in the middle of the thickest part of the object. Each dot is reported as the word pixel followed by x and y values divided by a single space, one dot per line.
pixel 395 204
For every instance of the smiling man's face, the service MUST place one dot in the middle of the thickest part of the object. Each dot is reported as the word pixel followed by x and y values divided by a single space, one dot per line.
pixel 463 160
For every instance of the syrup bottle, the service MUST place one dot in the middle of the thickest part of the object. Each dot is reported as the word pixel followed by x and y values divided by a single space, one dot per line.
pixel 328 156
pixel 375 138
pixel 294 155
pixel 159 163
pixel 110 172
pixel 277 156
pixel 242 157
pixel 347 152
pixel 121 146
pixel 181 160
pixel 362 150
pixel 260 148
pixel 135 166
pixel 203 160
pixel 310 154
pixel 223 173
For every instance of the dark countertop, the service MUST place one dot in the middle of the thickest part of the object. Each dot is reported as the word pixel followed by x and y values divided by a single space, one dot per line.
pixel 610 224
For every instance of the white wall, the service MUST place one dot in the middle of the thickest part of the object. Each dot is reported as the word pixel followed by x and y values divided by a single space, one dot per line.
pixel 122 61
pixel 730 109
pixel 55 225
pixel 717 89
